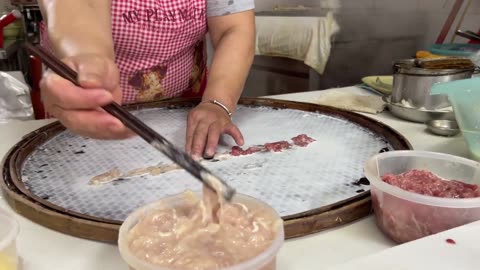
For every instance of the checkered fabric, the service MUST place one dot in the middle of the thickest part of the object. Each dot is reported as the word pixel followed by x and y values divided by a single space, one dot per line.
pixel 160 45
pixel 151 33
pixel 161 33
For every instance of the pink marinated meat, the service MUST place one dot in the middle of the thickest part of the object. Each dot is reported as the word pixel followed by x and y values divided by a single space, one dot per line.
pixel 277 146
pixel 302 140
pixel 238 151
pixel 427 183
pixel 405 221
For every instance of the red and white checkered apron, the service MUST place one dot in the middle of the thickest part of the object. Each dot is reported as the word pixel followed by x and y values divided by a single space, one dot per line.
pixel 160 48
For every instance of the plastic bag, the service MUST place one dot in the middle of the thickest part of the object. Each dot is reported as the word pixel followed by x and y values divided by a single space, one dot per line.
pixel 15 101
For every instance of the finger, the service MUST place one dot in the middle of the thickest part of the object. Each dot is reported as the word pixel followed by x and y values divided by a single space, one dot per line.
pixel 199 139
pixel 236 134
pixel 117 95
pixel 95 72
pixel 68 96
pixel 92 123
pixel 191 126
pixel 214 132
pixel 85 76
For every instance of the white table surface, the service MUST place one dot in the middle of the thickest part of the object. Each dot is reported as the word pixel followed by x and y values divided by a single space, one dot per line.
pixel 45 249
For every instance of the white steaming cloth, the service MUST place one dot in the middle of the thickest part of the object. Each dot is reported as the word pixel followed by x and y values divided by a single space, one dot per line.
pixel 306 39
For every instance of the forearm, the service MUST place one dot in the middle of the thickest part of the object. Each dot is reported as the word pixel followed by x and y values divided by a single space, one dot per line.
pixel 231 63
pixel 79 27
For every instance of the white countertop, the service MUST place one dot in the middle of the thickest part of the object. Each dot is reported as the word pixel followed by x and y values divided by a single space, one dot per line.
pixel 44 249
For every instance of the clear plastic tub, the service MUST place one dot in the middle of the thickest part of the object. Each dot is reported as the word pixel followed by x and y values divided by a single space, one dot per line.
pixel 464 95
pixel 405 216
pixel 264 261
pixel 8 234
pixel 455 49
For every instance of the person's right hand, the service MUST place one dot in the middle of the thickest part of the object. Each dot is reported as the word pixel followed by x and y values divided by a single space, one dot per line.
pixel 79 108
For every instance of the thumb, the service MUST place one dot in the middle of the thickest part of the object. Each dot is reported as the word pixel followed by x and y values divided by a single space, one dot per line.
pixel 235 133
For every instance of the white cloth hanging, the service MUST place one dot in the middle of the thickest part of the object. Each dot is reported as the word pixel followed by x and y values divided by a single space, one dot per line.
pixel 306 39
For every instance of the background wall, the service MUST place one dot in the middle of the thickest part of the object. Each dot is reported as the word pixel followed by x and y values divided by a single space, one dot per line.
pixel 373 34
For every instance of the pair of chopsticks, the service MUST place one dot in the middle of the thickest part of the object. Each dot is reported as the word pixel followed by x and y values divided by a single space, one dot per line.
pixel 139 127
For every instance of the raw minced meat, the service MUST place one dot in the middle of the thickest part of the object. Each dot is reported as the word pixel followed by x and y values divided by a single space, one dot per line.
pixel 405 221
pixel 277 146
pixel 301 140
pixel 427 183
pixel 238 151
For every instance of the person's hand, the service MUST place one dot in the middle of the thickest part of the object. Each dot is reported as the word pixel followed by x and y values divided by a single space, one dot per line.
pixel 205 124
pixel 79 108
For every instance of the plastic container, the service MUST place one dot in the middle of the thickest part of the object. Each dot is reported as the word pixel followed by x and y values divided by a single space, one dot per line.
pixel 454 49
pixel 464 95
pixel 264 261
pixel 405 216
pixel 8 248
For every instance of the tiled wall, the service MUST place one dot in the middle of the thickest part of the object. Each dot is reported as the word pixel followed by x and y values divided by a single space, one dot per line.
pixel 373 34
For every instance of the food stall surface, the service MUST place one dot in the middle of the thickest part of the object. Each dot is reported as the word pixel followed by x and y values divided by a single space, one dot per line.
pixel 41 248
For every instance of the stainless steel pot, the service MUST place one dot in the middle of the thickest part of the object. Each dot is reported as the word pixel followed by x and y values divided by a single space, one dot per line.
pixel 413 84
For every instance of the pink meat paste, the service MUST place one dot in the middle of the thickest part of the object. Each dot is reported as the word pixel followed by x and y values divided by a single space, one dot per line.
pixel 203 234
pixel 238 151
pixel 301 140
pixel 405 221
pixel 277 146
pixel 426 183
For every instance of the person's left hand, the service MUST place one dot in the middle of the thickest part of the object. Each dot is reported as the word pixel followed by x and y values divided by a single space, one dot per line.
pixel 205 124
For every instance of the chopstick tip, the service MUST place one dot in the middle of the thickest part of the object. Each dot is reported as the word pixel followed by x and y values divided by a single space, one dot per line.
pixel 229 194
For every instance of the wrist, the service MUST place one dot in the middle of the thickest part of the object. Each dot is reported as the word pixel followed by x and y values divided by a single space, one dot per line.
pixel 228 102
pixel 220 105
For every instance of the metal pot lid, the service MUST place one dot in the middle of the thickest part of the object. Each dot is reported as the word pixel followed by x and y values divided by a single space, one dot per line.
pixel 408 67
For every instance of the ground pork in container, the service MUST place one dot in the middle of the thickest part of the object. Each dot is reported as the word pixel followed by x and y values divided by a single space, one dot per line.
pixel 405 221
